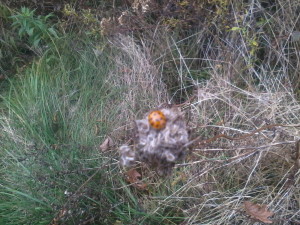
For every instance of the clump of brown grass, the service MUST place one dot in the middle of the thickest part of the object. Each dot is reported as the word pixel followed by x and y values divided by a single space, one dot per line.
pixel 242 95
pixel 138 80
pixel 224 173
pixel 252 85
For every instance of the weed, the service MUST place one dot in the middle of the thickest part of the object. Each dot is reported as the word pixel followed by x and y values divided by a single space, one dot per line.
pixel 34 29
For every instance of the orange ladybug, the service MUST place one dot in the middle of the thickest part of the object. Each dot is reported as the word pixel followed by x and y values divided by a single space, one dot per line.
pixel 157 120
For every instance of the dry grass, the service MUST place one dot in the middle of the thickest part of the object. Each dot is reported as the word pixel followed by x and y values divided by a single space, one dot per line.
pixel 139 81
pixel 225 173
pixel 253 82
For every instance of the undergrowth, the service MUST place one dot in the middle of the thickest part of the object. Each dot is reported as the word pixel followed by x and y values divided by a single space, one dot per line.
pixel 232 73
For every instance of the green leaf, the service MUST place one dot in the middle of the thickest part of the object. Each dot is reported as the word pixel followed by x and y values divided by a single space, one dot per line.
pixel 21 32
pixel 254 43
pixel 52 31
pixel 30 31
pixel 48 16
pixel 36 42
pixel 24 23
pixel 235 28
pixel 15 24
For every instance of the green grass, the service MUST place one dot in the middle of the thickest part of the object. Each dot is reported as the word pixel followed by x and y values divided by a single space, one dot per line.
pixel 44 151
pixel 50 161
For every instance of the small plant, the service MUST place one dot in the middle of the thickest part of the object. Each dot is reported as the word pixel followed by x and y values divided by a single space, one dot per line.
pixel 34 29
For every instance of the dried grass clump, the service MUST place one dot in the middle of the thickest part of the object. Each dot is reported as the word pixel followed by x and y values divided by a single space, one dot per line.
pixel 242 164
pixel 159 149
pixel 137 82
pixel 247 90
pixel 249 103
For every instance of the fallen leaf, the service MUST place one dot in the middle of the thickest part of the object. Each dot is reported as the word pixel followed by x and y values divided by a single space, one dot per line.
pixel 133 177
pixel 59 217
pixel 235 28
pixel 259 212
pixel 107 143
